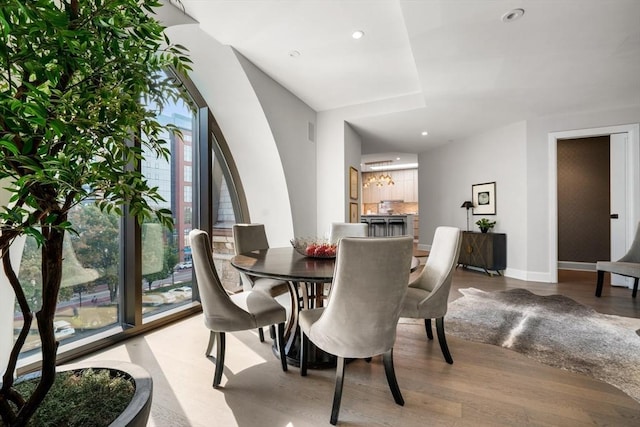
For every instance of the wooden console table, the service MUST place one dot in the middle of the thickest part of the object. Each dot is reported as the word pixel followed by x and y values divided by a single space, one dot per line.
pixel 484 250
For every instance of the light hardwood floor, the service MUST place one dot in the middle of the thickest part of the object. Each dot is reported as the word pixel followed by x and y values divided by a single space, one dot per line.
pixel 486 385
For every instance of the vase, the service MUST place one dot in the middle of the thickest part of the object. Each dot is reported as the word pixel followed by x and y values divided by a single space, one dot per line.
pixel 484 229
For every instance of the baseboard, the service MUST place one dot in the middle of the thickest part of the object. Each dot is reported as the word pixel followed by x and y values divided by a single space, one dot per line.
pixel 579 266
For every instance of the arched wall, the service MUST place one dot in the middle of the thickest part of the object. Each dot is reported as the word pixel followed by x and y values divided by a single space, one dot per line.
pixel 220 78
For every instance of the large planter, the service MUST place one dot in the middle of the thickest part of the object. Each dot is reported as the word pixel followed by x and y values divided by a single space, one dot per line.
pixel 136 414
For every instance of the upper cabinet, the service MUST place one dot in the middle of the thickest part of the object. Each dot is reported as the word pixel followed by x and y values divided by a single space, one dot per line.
pixel 405 188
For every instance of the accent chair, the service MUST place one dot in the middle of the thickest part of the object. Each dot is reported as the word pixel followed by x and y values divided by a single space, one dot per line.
pixel 361 315
pixel 428 294
pixel 628 265
pixel 230 313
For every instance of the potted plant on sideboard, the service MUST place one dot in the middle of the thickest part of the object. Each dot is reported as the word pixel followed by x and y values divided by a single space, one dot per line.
pixel 73 80
pixel 485 225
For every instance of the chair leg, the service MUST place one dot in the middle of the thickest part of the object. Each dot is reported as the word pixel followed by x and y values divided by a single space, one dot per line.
pixel 304 349
pixel 635 288
pixel 443 340
pixel 212 339
pixel 599 283
pixel 261 334
pixel 217 377
pixel 387 359
pixel 272 332
pixel 280 344
pixel 337 395
pixel 427 327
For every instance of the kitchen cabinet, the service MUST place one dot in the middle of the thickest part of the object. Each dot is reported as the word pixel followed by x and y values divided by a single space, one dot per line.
pixel 405 188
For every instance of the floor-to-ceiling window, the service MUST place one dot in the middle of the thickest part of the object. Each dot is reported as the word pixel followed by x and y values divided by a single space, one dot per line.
pixel 166 254
pixel 120 277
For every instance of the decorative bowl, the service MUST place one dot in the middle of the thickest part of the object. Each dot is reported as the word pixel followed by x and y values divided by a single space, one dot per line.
pixel 314 248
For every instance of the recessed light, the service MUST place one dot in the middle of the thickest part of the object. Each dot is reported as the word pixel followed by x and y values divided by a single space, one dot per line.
pixel 397 158
pixel 294 54
pixel 357 34
pixel 424 133
pixel 512 15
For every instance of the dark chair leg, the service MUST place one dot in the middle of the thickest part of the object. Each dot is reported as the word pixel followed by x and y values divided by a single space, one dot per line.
pixel 280 344
pixel 427 327
pixel 212 339
pixel 261 334
pixel 272 332
pixel 304 349
pixel 387 359
pixel 337 395
pixel 635 288
pixel 217 377
pixel 600 282
pixel 443 340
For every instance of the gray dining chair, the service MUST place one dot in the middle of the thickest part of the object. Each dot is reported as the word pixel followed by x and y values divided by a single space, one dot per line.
pixel 361 315
pixel 253 237
pixel 428 294
pixel 346 229
pixel 628 265
pixel 230 313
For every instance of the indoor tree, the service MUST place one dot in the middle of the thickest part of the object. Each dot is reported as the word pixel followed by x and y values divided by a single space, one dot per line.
pixel 75 76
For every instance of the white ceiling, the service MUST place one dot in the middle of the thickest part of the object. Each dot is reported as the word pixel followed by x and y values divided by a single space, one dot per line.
pixel 467 69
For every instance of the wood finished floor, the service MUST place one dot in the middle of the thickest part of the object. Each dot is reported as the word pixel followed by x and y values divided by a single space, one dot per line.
pixel 486 385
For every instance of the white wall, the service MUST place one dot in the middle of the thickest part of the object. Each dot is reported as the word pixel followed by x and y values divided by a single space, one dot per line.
pixel 7 296
pixel 352 156
pixel 538 173
pixel 335 155
pixel 330 182
pixel 289 119
pixel 220 78
pixel 518 159
pixel 446 174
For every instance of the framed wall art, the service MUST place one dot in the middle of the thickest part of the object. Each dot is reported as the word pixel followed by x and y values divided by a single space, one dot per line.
pixel 353 183
pixel 484 198
pixel 353 212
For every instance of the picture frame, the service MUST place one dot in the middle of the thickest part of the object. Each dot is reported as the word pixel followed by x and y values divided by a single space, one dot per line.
pixel 353 183
pixel 483 197
pixel 353 212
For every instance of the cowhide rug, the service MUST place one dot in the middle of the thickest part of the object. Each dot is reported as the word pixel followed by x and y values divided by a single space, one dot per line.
pixel 554 330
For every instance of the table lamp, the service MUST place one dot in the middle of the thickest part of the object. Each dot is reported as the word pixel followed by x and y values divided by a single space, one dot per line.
pixel 467 204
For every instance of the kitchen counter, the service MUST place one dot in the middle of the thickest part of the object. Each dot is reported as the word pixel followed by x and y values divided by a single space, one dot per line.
pixel 385 229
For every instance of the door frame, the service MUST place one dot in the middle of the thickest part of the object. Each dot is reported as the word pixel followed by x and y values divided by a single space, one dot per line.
pixel 632 178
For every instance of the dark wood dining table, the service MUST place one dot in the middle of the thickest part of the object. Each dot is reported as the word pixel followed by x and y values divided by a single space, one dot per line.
pixel 306 278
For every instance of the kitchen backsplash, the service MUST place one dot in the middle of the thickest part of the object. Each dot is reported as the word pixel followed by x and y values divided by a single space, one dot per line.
pixel 396 208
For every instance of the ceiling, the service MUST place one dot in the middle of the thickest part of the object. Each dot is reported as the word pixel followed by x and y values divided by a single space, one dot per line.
pixel 448 67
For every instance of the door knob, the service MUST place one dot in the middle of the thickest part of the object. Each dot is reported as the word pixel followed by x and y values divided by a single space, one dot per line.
pixel 614 216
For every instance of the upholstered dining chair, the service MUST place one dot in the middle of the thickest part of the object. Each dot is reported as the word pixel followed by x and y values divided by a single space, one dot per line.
pixel 253 237
pixel 428 294
pixel 345 229
pixel 361 315
pixel 628 265
pixel 230 313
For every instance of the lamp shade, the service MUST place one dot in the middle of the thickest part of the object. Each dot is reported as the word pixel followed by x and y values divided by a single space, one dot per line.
pixel 467 205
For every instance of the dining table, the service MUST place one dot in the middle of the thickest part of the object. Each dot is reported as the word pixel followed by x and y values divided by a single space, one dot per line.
pixel 308 279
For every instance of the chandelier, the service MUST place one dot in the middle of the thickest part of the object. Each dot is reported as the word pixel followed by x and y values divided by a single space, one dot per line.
pixel 379 180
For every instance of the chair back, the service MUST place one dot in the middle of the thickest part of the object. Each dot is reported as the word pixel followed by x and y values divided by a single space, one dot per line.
pixel 369 285
pixel 344 229
pixel 442 259
pixel 633 254
pixel 249 237
pixel 220 313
